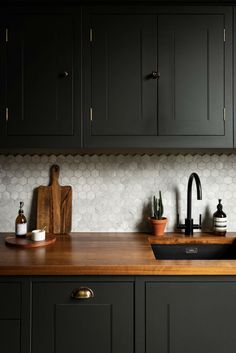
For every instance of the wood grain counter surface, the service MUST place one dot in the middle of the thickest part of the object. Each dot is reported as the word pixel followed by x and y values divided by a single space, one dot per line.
pixel 107 254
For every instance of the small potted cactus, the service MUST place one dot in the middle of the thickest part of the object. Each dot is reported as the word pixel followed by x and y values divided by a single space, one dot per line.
pixel 157 220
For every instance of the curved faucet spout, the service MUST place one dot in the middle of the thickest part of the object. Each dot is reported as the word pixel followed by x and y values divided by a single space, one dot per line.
pixel 189 226
pixel 189 194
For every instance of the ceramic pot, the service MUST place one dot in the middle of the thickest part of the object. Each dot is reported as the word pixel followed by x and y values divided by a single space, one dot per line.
pixel 158 226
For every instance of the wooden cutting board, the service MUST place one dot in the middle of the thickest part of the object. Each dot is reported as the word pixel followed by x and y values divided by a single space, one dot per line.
pixel 54 205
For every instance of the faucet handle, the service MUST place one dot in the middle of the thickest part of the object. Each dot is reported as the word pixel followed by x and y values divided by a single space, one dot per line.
pixel 198 226
pixel 179 226
pixel 200 221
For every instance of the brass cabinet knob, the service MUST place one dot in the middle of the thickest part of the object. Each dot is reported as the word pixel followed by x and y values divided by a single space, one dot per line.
pixel 82 293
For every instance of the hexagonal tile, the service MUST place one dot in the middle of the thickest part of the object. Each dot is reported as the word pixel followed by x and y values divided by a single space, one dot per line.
pixel 27 173
pixel 121 183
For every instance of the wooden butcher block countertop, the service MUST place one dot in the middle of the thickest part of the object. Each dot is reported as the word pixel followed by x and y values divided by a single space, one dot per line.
pixel 108 254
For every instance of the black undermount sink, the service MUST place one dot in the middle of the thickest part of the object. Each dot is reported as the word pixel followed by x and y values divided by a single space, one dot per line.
pixel 194 251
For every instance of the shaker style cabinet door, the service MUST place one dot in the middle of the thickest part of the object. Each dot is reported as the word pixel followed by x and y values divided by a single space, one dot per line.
pixel 39 74
pixel 10 317
pixel 123 56
pixel 120 76
pixel 158 77
pixel 191 89
pixel 102 323
pixel 190 317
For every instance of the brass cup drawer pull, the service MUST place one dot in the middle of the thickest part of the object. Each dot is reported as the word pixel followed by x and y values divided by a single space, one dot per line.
pixel 82 293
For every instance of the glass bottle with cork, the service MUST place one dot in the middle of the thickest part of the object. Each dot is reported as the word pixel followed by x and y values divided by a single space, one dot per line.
pixel 21 223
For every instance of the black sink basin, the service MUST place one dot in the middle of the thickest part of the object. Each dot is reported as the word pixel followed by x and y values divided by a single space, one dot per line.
pixel 194 251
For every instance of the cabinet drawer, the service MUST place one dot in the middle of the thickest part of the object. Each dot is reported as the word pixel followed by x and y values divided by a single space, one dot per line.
pixel 103 292
pixel 10 299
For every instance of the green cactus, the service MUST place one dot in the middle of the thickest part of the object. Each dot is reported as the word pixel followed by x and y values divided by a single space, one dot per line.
pixel 158 208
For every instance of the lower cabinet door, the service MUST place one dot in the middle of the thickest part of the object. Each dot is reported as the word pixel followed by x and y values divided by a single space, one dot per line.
pixel 191 317
pixel 10 336
pixel 10 316
pixel 64 322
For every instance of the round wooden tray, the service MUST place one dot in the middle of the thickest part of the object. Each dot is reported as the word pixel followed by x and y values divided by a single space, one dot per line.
pixel 27 243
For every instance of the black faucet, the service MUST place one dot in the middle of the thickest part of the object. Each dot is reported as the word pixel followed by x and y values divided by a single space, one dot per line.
pixel 189 225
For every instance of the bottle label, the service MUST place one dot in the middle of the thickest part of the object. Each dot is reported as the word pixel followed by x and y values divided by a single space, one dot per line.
pixel 21 229
pixel 220 224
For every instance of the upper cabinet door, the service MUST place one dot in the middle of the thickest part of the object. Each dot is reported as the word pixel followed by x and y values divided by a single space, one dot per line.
pixel 191 88
pixel 39 80
pixel 123 90
pixel 158 77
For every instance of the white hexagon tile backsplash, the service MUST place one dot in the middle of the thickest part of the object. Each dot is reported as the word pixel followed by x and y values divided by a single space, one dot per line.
pixel 114 192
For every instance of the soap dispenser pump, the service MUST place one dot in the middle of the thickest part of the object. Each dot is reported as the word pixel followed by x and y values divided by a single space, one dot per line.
pixel 219 221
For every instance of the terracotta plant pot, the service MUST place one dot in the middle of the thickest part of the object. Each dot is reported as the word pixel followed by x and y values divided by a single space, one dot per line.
pixel 158 226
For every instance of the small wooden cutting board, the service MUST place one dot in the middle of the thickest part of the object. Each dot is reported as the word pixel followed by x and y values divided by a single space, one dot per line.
pixel 54 205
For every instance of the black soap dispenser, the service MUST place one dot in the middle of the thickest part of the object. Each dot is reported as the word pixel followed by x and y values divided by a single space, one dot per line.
pixel 219 221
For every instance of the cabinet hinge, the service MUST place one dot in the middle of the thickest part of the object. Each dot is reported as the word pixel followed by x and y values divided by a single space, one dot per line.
pixel 224 34
pixel 224 113
pixel 91 34
pixel 91 114
pixel 6 114
pixel 6 35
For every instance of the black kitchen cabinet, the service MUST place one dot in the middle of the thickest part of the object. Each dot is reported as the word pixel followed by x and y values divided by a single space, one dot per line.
pixel 123 56
pixel 103 323
pixel 41 79
pixel 150 77
pixel 10 336
pixel 194 317
pixel 158 77
pixel 10 314
pixel 39 75
pixel 143 314
pixel 191 62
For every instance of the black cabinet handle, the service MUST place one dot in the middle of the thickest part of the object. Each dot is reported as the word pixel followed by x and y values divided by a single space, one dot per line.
pixel 64 74
pixel 155 75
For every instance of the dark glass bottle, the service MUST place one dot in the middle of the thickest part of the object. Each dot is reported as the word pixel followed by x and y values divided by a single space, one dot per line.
pixel 219 221
pixel 21 223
